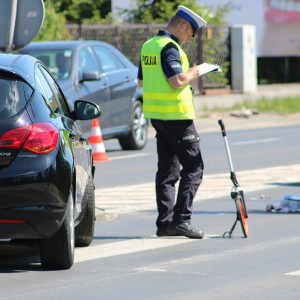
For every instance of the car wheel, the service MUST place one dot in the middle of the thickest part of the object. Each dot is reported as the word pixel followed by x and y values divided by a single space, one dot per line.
pixel 137 137
pixel 84 231
pixel 57 252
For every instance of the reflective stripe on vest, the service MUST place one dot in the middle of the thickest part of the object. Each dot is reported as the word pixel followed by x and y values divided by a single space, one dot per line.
pixel 161 100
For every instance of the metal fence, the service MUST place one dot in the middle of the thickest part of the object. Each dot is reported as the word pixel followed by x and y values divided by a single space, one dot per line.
pixel 211 45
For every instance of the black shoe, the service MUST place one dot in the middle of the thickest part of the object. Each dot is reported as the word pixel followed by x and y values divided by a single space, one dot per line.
pixel 164 232
pixel 185 229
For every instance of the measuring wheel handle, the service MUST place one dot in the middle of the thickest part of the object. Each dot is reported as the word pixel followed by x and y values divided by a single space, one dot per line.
pixel 236 194
pixel 221 123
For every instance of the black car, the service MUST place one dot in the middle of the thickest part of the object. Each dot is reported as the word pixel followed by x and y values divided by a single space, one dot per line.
pixel 46 166
pixel 98 72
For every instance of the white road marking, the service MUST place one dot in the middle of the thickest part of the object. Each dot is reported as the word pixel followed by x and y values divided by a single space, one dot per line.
pixel 256 142
pixel 127 247
pixel 295 273
pixel 141 197
pixel 130 156
pixel 132 246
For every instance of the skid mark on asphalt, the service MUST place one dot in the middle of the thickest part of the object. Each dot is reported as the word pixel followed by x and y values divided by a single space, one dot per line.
pixel 141 197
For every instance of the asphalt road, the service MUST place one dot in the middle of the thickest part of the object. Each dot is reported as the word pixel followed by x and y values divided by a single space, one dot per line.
pixel 260 155
pixel 127 261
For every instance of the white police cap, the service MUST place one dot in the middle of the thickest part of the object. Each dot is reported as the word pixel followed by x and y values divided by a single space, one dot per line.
pixel 195 20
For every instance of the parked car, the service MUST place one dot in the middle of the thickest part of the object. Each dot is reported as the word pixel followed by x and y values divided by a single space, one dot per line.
pixel 98 72
pixel 46 178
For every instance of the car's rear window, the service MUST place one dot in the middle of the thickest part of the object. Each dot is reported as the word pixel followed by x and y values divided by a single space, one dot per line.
pixel 14 95
pixel 58 61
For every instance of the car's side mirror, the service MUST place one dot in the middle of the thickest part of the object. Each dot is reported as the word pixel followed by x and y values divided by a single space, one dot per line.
pixel 89 76
pixel 85 110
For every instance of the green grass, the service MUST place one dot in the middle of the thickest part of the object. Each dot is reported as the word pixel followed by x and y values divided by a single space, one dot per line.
pixel 286 105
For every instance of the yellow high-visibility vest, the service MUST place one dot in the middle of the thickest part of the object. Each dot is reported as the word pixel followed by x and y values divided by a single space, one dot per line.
pixel 160 100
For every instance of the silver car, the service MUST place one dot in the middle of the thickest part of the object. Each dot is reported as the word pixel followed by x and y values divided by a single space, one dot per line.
pixel 98 72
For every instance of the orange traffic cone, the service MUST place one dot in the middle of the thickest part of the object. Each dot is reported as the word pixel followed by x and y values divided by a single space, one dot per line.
pixel 97 144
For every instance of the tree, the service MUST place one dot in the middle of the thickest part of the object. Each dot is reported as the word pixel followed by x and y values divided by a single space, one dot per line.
pixel 161 11
pixel 84 11
pixel 53 27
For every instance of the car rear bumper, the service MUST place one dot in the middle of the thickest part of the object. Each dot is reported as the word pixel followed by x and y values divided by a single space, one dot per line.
pixel 31 212
pixel 33 198
pixel 30 222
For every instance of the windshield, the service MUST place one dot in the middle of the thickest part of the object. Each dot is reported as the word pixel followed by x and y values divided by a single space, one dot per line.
pixel 58 61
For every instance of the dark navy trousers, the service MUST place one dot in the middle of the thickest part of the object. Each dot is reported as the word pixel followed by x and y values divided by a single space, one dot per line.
pixel 179 160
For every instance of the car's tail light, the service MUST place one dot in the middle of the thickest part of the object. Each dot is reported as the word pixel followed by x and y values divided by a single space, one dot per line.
pixel 15 138
pixel 39 138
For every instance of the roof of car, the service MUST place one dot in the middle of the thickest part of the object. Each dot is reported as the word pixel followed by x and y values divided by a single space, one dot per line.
pixel 64 44
pixel 20 65
pixel 67 45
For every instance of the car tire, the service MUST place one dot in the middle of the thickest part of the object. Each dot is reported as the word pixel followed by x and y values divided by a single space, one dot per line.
pixel 84 231
pixel 137 137
pixel 57 252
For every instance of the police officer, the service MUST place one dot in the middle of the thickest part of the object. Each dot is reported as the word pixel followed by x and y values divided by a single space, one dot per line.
pixel 165 76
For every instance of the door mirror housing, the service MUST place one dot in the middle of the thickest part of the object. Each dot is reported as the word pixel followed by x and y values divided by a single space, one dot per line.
pixel 89 76
pixel 85 110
